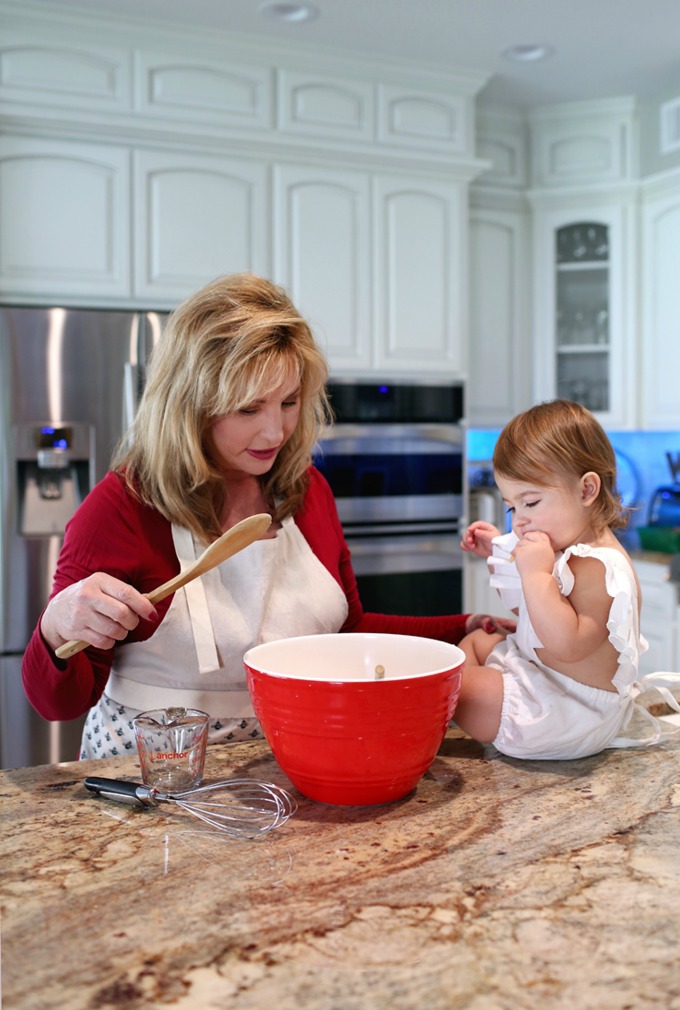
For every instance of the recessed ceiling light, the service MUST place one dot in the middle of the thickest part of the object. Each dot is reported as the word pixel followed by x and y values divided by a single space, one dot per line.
pixel 529 53
pixel 291 13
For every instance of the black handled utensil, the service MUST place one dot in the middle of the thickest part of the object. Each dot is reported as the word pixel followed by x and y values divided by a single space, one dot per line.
pixel 244 808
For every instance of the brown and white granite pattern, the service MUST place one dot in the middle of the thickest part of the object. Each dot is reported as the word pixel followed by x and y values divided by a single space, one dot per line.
pixel 498 885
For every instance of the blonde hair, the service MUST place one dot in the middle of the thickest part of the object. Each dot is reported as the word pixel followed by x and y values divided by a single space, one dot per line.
pixel 231 343
pixel 555 443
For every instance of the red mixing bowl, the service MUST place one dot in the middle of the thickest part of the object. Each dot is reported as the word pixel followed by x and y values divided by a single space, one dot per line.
pixel 343 733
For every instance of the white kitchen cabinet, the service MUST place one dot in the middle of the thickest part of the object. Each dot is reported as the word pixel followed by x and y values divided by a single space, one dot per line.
pixel 375 262
pixel 362 110
pixel 216 93
pixel 65 218
pixel 499 381
pixel 322 106
pixel 197 217
pixel 585 306
pixel 345 181
pixel 48 67
pixel 659 617
pixel 411 117
pixel 420 275
pixel 322 247
pixel 578 145
pixel 585 269
pixel 660 362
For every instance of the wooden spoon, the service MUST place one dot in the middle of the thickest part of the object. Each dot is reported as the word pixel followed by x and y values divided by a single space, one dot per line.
pixel 230 543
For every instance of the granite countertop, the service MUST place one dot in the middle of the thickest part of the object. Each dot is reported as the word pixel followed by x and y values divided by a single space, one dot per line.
pixel 497 885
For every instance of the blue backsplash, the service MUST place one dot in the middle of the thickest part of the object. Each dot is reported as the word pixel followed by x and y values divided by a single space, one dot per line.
pixel 642 462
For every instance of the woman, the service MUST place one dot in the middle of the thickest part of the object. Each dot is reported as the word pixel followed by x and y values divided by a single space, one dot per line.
pixel 234 403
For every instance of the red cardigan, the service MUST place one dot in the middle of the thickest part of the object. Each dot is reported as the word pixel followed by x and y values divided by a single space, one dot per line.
pixel 113 532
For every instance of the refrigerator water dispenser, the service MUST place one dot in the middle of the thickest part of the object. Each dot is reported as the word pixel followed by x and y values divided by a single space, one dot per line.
pixel 55 470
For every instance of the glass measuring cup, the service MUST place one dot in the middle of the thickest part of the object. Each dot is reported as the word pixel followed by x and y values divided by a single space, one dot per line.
pixel 171 744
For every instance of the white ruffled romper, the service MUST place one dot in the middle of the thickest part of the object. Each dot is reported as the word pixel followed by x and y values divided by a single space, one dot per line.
pixel 546 714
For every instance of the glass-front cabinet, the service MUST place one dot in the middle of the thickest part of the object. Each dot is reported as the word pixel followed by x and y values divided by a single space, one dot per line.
pixel 582 314
pixel 585 307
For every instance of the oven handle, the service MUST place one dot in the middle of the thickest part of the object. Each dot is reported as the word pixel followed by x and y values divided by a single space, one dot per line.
pixel 398 555
pixel 396 438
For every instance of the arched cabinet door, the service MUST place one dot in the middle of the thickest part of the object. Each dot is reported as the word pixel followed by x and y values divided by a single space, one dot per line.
pixel 198 217
pixel 499 381
pixel 322 247
pixel 420 229
pixel 65 222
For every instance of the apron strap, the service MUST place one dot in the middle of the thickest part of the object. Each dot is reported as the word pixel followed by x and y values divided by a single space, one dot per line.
pixel 197 604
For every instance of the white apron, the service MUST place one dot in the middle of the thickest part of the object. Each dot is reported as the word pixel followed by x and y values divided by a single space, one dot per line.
pixel 275 588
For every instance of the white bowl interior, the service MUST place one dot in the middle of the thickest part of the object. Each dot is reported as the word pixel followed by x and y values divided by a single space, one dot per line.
pixel 354 657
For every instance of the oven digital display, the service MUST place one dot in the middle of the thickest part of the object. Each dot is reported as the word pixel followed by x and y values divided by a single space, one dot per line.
pixel 396 403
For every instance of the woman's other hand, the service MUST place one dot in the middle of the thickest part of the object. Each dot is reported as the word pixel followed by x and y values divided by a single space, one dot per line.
pixel 100 610
pixel 491 625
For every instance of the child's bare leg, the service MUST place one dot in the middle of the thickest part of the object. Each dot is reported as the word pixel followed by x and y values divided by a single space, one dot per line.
pixel 478 712
pixel 477 646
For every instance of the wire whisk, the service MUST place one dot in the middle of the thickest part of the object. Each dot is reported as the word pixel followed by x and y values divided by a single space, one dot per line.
pixel 243 808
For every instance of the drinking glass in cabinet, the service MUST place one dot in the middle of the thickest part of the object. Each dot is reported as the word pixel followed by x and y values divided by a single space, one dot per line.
pixel 581 317
pixel 583 377
pixel 602 327
pixel 582 243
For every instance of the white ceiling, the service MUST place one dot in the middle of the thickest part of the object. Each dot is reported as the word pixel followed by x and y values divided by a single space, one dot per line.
pixel 603 48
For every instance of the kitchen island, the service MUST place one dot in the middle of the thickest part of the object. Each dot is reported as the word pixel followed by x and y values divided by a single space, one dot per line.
pixel 496 884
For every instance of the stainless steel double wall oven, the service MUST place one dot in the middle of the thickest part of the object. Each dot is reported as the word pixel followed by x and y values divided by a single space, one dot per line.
pixel 395 461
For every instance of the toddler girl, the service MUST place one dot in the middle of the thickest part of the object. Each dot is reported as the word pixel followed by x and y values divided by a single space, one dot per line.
pixel 564 684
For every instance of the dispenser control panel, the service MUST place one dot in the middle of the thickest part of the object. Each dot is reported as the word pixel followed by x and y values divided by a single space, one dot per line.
pixel 47 437
pixel 76 440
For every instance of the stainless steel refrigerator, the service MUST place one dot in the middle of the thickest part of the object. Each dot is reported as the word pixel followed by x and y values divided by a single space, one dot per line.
pixel 70 381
